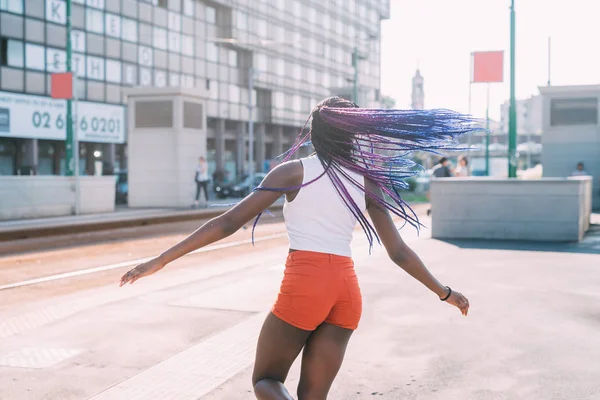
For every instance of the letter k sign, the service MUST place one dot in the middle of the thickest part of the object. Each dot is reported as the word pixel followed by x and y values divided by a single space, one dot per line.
pixel 56 11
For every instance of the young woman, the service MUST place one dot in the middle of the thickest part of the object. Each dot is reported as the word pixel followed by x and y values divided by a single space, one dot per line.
pixel 352 171
pixel 462 171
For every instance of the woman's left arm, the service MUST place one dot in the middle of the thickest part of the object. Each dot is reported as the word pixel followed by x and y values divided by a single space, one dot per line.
pixel 285 175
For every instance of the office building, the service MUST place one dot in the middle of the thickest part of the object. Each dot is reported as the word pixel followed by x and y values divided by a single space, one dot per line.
pixel 299 51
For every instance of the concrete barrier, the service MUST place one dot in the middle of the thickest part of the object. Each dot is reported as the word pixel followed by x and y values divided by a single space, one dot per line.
pixel 52 196
pixel 549 209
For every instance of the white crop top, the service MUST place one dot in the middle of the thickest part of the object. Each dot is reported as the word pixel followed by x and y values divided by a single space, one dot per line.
pixel 318 219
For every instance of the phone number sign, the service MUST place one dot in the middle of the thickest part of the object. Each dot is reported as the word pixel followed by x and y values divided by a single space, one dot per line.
pixel 37 117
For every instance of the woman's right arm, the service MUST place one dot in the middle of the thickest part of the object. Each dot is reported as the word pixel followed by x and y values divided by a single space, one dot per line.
pixel 286 175
pixel 404 256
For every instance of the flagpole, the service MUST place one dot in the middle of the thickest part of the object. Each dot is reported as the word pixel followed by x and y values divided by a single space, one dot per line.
pixel 470 92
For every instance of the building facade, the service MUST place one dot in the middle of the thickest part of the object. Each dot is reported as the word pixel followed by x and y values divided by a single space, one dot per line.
pixel 418 92
pixel 299 52
pixel 529 116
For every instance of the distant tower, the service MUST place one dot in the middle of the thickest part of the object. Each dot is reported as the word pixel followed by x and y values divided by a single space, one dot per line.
pixel 418 95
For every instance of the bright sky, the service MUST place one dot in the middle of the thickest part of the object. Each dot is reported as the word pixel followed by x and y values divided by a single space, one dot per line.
pixel 439 35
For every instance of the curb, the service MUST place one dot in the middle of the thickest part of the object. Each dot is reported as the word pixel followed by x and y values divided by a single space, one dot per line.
pixel 110 222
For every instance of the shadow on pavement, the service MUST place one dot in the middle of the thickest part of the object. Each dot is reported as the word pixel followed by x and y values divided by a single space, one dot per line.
pixel 589 245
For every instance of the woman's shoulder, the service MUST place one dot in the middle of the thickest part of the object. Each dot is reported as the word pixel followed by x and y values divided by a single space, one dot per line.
pixel 289 171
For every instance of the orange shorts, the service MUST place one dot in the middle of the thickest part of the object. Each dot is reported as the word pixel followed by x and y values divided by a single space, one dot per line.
pixel 317 288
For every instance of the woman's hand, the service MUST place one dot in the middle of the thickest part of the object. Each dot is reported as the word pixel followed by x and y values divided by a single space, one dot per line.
pixel 145 269
pixel 459 301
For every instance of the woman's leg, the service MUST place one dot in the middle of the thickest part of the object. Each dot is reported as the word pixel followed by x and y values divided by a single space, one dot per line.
pixel 205 190
pixel 197 190
pixel 279 344
pixel 321 361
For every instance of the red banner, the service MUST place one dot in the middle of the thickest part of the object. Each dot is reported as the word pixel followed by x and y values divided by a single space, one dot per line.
pixel 62 86
pixel 488 66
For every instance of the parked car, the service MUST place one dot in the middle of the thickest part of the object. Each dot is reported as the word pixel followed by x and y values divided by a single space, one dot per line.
pixel 240 188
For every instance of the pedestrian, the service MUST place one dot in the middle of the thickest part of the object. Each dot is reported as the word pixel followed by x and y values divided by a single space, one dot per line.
pixel 580 170
pixel 441 170
pixel 462 171
pixel 319 305
pixel 201 181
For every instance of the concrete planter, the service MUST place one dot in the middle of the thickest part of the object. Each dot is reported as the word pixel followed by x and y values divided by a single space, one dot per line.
pixel 549 209
pixel 53 196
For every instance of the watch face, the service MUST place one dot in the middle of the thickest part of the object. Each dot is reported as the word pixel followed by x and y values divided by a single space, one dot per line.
pixel 4 120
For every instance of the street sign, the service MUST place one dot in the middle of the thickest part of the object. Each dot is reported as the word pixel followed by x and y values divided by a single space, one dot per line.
pixel 38 117
pixel 62 86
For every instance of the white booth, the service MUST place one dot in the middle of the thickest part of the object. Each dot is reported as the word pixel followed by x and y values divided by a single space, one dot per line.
pixel 166 137
pixel 571 132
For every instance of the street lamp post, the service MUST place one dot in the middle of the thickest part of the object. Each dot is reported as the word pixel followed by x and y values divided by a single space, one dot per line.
pixel 512 115
pixel 251 72
pixel 355 82
pixel 69 145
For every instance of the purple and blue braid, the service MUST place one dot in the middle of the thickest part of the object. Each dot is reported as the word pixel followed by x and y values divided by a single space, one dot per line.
pixel 375 143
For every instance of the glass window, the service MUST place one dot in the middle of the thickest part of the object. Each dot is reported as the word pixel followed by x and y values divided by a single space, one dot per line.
pixel 352 6
pixel 210 13
pixel 78 41
pixel 12 53
pixel 280 4
pixel 278 100
pixel 298 40
pixel 174 79
pixel 113 71
pixel 312 76
pixel 242 20
pixel 95 68
pixel 312 15
pixel 188 81
pixel 160 78
pixel 576 111
pixel 174 21
pixel 280 67
pixel 187 45
pixel 175 42
pixel 262 28
pixel 56 60
pixel 35 57
pixel 234 94
pixel 312 46
pixel 297 74
pixel 351 31
pixel 95 3
pixel 262 62
pixel 13 6
pixel 214 89
pixel 297 103
pixel 129 30
pixel 94 20
pixel 278 31
pixel 188 7
pixel 374 16
pixel 297 8
pixel 326 22
pixel 212 52
pixel 113 25
pixel 233 58
pixel 145 56
pixel 327 51
pixel 326 80
pixel 160 38
pixel 339 27
pixel 78 64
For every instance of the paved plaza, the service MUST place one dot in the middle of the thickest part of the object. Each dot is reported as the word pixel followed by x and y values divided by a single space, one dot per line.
pixel 190 331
